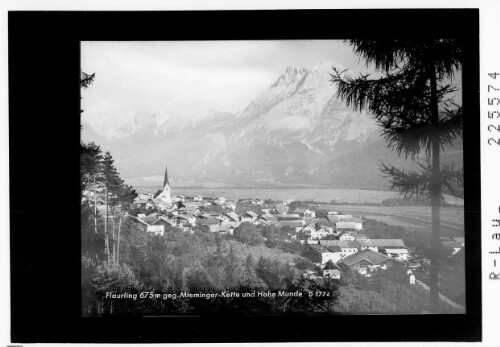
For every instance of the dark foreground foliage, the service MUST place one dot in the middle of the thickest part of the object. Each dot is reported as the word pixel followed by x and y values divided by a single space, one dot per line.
pixel 198 264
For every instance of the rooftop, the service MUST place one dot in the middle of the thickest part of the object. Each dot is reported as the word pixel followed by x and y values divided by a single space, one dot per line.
pixel 252 214
pixel 345 225
pixel 333 218
pixel 368 255
pixel 383 243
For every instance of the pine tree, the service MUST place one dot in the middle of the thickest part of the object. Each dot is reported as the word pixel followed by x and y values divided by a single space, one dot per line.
pixel 86 80
pixel 412 101
pixel 90 182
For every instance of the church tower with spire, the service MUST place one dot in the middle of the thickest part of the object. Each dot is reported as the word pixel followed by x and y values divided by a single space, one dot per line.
pixel 164 194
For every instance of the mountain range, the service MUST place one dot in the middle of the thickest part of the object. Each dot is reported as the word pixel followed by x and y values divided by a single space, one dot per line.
pixel 295 133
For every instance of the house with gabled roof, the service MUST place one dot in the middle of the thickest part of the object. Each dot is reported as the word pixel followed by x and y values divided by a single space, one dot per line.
pixel 249 216
pixel 231 217
pixel 348 226
pixel 152 227
pixel 394 248
pixel 331 270
pixel 348 247
pixel 347 236
pixel 358 222
pixel 367 261
pixel 321 255
pixel 319 233
pixel 304 212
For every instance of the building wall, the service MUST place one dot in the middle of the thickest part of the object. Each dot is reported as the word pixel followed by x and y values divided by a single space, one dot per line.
pixel 348 251
pixel 157 229
pixel 333 273
pixel 333 256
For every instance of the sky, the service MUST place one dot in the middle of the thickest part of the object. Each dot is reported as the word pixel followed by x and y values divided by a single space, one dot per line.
pixel 220 75
pixel 150 76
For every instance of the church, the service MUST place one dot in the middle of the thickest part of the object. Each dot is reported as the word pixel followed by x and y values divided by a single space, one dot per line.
pixel 164 195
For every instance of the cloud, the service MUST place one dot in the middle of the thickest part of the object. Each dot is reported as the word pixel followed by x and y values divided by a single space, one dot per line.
pixel 208 75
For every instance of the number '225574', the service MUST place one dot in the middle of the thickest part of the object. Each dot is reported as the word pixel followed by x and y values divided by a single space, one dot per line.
pixel 491 102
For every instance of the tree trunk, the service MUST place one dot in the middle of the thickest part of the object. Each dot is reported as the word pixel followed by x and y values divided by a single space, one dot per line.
pixel 113 237
pixel 95 208
pixel 435 195
pixel 118 247
pixel 106 227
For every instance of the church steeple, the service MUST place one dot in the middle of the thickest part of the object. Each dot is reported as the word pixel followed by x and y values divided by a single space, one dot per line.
pixel 164 194
pixel 165 180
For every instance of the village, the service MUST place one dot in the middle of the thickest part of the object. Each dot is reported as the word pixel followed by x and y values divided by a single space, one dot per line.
pixel 334 242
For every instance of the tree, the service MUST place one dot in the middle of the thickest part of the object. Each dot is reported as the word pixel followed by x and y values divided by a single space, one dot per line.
pixel 249 279
pixel 247 233
pixel 276 275
pixel 86 80
pixel 90 165
pixel 326 293
pixel 233 269
pixel 271 242
pixel 113 191
pixel 304 264
pixel 416 82
pixel 114 279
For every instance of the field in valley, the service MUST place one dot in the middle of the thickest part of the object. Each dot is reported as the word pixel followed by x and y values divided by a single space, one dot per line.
pixel 417 218
pixel 356 196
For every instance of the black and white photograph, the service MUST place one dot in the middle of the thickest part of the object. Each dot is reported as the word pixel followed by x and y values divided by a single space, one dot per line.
pixel 199 174
pixel 272 177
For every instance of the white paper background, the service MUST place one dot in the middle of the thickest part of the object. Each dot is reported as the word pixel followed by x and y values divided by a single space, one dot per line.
pixel 490 155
